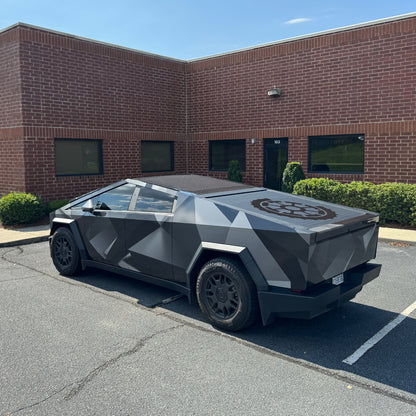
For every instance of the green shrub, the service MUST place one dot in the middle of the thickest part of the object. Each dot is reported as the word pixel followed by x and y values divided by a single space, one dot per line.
pixel 234 171
pixel 395 202
pixel 320 188
pixel 54 205
pixel 20 208
pixel 359 195
pixel 293 173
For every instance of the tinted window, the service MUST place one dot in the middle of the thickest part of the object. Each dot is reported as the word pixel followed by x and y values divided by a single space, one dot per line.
pixel 222 152
pixel 157 156
pixel 78 157
pixel 336 154
pixel 116 199
pixel 150 200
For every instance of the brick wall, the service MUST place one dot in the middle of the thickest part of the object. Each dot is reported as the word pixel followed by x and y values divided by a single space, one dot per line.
pixel 10 103
pixel 357 81
pixel 360 81
pixel 73 83
pixel 121 159
pixel 74 88
pixel 12 168
pixel 11 137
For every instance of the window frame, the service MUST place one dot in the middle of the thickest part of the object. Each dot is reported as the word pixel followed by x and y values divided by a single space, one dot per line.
pixel 99 143
pixel 172 155
pixel 328 138
pixel 227 141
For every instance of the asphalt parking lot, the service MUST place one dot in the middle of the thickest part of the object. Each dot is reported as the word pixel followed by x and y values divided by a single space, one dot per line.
pixel 102 344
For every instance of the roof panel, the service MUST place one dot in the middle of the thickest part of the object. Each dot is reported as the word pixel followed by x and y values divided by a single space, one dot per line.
pixel 195 183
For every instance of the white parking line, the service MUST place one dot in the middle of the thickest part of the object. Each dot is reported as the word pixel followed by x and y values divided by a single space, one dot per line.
pixel 353 358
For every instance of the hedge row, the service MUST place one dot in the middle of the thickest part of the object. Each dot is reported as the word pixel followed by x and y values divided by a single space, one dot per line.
pixel 22 208
pixel 396 202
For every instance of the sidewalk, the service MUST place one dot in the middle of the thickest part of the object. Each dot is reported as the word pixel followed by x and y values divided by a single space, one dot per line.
pixel 26 235
pixel 397 234
pixel 39 233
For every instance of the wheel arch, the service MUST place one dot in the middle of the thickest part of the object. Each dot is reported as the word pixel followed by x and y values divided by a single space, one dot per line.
pixel 71 225
pixel 209 251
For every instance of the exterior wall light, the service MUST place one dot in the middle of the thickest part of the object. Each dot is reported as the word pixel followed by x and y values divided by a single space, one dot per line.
pixel 274 92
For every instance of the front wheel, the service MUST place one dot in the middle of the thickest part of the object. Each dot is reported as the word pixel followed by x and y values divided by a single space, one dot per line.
pixel 226 295
pixel 65 252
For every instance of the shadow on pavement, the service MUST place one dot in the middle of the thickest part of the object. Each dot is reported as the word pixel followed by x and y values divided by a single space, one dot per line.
pixel 325 341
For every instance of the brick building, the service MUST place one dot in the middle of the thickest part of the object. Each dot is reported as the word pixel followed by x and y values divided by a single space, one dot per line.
pixel 77 114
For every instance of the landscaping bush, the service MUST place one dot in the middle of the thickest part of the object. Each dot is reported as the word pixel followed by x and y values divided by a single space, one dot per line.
pixel 54 205
pixel 359 195
pixel 322 188
pixel 293 173
pixel 395 202
pixel 234 171
pixel 20 208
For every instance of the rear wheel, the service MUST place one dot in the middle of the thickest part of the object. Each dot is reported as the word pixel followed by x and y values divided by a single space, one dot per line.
pixel 226 294
pixel 65 252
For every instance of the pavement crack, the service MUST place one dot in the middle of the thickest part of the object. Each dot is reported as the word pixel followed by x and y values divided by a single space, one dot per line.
pixel 17 248
pixel 30 406
pixel 79 385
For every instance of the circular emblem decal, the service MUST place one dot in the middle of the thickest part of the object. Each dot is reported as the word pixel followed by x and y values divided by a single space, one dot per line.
pixel 294 209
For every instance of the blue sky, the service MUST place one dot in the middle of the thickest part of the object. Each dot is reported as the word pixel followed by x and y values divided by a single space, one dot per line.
pixel 187 29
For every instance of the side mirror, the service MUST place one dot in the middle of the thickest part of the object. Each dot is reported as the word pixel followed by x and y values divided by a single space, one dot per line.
pixel 88 206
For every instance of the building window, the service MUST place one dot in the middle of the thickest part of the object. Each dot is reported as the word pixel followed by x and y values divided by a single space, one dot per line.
pixel 336 154
pixel 157 156
pixel 222 152
pixel 78 157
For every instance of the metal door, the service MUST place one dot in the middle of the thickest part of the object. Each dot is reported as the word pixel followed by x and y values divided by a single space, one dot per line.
pixel 275 160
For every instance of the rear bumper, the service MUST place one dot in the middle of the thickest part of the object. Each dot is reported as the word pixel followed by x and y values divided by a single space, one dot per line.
pixel 283 303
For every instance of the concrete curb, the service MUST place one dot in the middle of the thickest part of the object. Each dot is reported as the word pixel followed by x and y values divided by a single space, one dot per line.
pixel 396 240
pixel 25 241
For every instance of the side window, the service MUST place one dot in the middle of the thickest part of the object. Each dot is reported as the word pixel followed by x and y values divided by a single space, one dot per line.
pixel 150 200
pixel 117 199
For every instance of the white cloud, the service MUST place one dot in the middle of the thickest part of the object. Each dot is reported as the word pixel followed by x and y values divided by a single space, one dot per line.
pixel 298 20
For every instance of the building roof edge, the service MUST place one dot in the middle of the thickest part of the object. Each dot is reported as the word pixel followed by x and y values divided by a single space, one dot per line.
pixel 311 35
pixel 277 42
pixel 111 45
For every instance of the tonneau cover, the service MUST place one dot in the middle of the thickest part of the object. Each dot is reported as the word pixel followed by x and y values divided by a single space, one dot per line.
pixel 295 211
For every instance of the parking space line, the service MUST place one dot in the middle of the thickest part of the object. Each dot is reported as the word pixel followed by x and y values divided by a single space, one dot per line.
pixel 353 358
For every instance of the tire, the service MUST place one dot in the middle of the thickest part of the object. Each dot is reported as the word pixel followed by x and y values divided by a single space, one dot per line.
pixel 226 295
pixel 65 252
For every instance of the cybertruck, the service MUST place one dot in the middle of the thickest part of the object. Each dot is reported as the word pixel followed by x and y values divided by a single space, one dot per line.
pixel 242 252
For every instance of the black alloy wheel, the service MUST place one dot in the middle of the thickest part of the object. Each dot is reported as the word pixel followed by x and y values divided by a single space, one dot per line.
pixel 65 253
pixel 221 295
pixel 226 294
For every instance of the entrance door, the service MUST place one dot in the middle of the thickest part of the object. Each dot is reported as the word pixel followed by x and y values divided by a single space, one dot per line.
pixel 275 160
